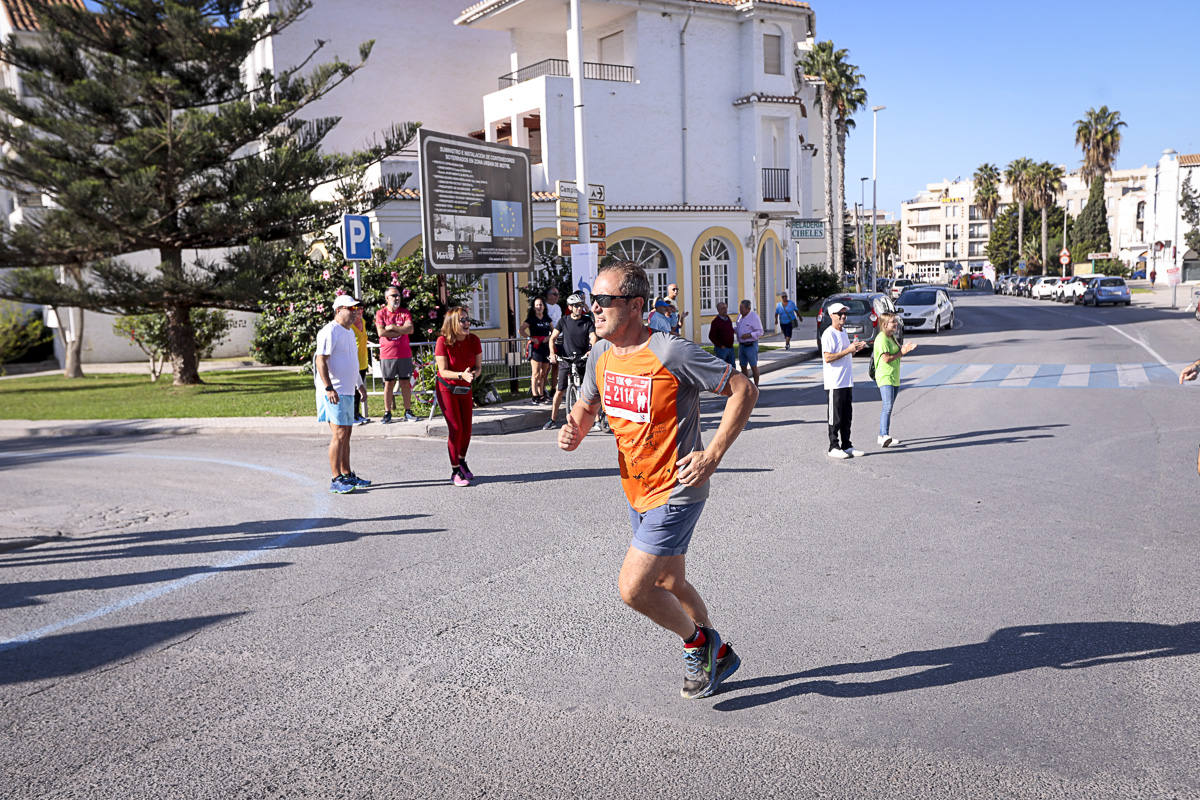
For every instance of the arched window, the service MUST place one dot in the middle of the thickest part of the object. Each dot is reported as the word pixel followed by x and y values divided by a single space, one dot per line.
pixel 714 275
pixel 647 255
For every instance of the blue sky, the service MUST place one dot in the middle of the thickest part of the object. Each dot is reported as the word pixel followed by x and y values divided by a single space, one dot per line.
pixel 967 82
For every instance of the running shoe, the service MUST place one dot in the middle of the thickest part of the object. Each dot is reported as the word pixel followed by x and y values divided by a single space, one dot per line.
pixel 360 420
pixel 339 486
pixel 835 453
pixel 854 452
pixel 354 480
pixel 700 667
pixel 387 418
pixel 465 470
pixel 550 425
pixel 458 479
pixel 409 416
pixel 728 665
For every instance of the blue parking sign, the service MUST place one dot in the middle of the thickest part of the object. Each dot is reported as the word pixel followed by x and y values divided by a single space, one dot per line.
pixel 356 237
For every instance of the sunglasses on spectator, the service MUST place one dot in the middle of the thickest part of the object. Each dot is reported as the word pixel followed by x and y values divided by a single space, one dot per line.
pixel 838 314
pixel 606 300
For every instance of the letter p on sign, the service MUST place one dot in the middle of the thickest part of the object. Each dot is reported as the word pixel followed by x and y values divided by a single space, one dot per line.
pixel 356 237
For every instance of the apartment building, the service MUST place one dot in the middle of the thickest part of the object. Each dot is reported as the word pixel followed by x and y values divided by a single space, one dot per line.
pixel 694 124
pixel 943 232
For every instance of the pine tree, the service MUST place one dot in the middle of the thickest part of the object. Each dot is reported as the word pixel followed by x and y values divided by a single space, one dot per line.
pixel 1089 231
pixel 139 123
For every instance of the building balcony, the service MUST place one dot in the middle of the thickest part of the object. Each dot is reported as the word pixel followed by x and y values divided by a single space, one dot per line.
pixel 775 185
pixel 560 67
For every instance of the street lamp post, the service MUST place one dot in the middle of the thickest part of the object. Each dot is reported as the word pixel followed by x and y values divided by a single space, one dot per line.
pixel 874 185
pixel 860 242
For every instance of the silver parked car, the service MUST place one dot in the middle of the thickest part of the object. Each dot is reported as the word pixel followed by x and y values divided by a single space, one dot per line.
pixel 925 308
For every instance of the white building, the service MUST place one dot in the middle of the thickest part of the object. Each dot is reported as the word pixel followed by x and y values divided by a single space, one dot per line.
pixel 1152 227
pixel 694 125
pixel 943 232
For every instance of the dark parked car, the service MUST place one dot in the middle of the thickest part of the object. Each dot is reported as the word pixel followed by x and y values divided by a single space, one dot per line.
pixel 1106 290
pixel 862 318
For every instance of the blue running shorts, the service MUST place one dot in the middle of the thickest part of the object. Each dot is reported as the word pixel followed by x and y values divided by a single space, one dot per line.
pixel 340 414
pixel 665 530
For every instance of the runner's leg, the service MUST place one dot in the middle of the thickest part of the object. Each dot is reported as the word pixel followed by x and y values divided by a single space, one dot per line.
pixel 641 591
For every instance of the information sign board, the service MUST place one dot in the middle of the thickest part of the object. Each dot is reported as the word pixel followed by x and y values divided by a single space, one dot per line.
pixel 476 206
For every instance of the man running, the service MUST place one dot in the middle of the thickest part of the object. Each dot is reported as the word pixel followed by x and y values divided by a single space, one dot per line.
pixel 649 384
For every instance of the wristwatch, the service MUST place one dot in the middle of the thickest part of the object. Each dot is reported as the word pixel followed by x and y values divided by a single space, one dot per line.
pixel 329 388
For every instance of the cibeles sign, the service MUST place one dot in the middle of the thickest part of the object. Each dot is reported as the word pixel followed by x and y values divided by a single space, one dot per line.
pixel 476 206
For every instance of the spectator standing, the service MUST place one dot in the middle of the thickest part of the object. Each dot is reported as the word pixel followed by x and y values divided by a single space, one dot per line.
pixel 786 316
pixel 1153 275
pixel 749 330
pixel 394 323
pixel 537 327
pixel 837 352
pixel 360 338
pixel 720 333
pixel 660 317
pixel 459 357
pixel 576 333
pixel 556 313
pixel 335 371
pixel 677 317
pixel 887 354
pixel 649 384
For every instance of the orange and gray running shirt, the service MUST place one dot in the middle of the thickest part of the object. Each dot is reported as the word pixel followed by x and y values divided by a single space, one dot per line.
pixel 652 399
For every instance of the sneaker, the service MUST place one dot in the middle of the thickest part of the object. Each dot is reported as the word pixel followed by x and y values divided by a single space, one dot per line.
pixel 835 453
pixel 728 665
pixel 854 452
pixel 387 418
pixel 458 479
pixel 465 470
pixel 550 425
pixel 409 416
pixel 700 667
pixel 892 442
pixel 362 420
pixel 339 486
pixel 884 441
pixel 354 480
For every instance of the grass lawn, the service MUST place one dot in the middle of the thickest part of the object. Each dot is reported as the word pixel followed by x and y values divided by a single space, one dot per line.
pixel 238 393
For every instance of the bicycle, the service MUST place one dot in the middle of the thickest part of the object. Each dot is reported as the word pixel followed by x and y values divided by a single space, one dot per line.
pixel 576 366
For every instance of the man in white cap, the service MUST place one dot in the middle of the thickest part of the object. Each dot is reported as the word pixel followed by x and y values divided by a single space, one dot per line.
pixel 335 370
pixel 837 352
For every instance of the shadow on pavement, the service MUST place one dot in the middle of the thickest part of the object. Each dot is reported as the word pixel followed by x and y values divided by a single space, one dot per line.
pixel 72 653
pixel 215 539
pixel 972 438
pixel 23 451
pixel 1065 646
pixel 25 593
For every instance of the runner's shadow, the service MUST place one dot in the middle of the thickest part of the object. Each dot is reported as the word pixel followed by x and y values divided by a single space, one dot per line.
pixel 1066 646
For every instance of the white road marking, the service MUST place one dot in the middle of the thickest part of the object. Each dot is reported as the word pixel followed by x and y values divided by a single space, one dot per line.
pixel 1020 376
pixel 317 513
pixel 1131 375
pixel 1075 376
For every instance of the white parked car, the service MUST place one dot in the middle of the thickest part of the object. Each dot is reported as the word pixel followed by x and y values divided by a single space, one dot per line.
pixel 1044 288
pixel 1071 289
pixel 899 285
pixel 925 308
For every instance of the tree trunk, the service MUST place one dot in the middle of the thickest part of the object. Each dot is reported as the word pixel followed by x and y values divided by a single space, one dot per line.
pixel 1020 231
pixel 839 204
pixel 181 337
pixel 72 345
pixel 1044 261
pixel 827 154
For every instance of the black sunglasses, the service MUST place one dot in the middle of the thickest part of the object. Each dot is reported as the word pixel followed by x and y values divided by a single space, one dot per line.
pixel 837 313
pixel 606 300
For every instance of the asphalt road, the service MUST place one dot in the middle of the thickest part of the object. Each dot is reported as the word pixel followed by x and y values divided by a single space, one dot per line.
pixel 1004 607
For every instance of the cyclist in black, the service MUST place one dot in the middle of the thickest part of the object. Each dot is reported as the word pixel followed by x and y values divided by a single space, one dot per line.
pixel 574 335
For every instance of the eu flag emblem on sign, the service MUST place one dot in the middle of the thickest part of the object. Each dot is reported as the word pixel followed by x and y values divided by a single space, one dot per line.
pixel 506 218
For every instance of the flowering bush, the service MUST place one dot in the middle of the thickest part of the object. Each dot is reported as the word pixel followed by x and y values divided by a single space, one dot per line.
pixel 287 328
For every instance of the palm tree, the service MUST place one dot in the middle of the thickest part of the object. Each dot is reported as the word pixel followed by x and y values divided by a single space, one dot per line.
pixel 889 243
pixel 1045 183
pixel 1017 177
pixel 848 98
pixel 1098 134
pixel 824 65
pixel 987 196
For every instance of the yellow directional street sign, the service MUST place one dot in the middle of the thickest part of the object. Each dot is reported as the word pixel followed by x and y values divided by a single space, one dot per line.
pixel 568 208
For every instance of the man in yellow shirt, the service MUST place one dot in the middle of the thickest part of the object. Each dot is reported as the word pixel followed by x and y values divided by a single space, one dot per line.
pixel 360 336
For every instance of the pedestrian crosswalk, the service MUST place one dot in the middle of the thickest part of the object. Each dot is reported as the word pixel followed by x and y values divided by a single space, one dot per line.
pixel 1019 376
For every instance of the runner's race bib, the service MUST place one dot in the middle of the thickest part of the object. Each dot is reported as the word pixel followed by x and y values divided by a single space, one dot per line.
pixel 627 396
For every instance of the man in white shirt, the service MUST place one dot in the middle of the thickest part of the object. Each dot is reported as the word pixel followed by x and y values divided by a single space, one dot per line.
pixel 555 312
pixel 335 371
pixel 837 352
pixel 677 317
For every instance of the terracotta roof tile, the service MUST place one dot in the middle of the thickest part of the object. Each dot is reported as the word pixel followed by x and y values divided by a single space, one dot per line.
pixel 23 17
pixel 1191 160
pixel 415 194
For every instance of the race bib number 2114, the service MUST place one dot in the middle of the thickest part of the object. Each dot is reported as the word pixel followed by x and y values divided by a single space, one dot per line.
pixel 627 396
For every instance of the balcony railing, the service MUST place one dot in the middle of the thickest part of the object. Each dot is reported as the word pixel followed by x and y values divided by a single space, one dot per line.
pixel 560 67
pixel 775 185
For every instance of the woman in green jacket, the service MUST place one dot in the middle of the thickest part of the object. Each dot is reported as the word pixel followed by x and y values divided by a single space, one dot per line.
pixel 887 354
